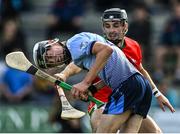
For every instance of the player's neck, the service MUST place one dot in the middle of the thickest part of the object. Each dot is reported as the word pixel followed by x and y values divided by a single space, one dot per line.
pixel 121 44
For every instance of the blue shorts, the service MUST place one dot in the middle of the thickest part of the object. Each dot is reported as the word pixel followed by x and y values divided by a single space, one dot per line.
pixel 135 93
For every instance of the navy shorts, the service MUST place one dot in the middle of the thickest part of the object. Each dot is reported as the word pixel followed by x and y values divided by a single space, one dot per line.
pixel 135 93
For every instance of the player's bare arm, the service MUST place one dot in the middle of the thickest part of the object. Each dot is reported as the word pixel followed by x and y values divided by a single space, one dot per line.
pixel 73 69
pixel 102 53
pixel 162 100
pixel 99 85
pixel 70 70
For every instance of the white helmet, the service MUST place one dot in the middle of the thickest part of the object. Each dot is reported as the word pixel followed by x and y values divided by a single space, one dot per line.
pixel 40 55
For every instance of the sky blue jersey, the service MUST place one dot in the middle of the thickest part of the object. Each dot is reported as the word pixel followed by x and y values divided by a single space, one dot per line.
pixel 117 68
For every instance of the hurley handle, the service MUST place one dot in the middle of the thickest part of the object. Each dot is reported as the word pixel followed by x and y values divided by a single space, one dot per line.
pixel 69 87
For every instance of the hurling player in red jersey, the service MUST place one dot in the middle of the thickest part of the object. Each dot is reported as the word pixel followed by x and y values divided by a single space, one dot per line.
pixel 115 27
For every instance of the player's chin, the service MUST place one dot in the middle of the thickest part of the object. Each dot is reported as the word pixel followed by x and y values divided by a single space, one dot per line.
pixel 112 38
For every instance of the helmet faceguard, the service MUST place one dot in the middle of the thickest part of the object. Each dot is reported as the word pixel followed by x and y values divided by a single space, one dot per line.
pixel 44 60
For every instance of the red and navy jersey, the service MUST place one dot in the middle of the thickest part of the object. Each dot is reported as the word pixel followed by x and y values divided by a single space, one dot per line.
pixel 133 52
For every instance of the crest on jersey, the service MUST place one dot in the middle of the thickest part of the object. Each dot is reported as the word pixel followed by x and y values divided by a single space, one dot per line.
pixel 83 44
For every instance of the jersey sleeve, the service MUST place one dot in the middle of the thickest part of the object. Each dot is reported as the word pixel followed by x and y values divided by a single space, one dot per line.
pixel 80 45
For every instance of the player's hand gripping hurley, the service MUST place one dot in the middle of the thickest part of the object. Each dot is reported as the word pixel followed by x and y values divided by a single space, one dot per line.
pixel 19 61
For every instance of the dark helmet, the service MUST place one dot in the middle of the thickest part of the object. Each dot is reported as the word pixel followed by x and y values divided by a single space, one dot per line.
pixel 40 49
pixel 114 14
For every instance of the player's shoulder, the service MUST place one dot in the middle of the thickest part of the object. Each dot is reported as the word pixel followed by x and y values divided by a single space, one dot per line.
pixel 76 39
pixel 81 36
pixel 84 37
pixel 132 42
pixel 84 34
pixel 91 36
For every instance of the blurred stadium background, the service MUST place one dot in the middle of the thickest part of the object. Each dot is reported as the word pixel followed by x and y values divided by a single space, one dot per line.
pixel 25 22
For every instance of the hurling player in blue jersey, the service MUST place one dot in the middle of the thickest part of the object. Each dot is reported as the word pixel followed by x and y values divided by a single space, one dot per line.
pixel 131 93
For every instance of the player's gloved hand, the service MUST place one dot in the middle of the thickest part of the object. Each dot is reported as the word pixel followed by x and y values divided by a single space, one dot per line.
pixel 163 101
pixel 60 76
